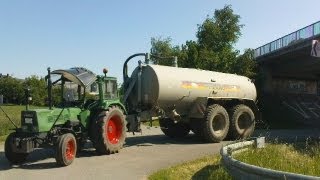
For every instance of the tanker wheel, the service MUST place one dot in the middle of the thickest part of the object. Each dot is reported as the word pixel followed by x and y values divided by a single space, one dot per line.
pixel 66 149
pixel 216 124
pixel 109 131
pixel 13 157
pixel 174 130
pixel 242 122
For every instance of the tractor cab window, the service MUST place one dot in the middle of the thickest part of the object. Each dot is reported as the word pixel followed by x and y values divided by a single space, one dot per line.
pixel 111 91
pixel 94 90
pixel 72 91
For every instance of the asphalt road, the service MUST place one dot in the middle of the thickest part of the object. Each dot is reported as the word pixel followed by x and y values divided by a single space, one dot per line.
pixel 142 155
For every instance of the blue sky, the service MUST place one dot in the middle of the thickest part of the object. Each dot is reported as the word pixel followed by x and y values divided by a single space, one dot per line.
pixel 35 34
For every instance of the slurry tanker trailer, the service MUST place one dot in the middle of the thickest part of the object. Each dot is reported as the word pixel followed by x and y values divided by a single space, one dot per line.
pixel 213 105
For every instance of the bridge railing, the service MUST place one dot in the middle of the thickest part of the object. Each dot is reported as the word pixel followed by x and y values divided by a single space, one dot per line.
pixel 304 33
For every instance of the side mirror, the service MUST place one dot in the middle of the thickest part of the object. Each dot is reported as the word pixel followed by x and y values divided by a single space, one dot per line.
pixel 1 99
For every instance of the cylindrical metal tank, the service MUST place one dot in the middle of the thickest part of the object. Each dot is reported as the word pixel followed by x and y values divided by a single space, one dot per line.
pixel 165 87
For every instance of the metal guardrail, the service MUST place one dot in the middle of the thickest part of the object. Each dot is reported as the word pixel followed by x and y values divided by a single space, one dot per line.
pixel 285 41
pixel 241 170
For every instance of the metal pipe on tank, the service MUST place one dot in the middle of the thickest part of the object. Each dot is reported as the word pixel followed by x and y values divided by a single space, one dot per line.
pixel 147 58
pixel 139 84
pixel 125 65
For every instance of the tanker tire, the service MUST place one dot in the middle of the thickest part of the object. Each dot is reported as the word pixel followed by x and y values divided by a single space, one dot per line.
pixel 242 122
pixel 13 157
pixel 66 149
pixel 174 130
pixel 109 131
pixel 216 124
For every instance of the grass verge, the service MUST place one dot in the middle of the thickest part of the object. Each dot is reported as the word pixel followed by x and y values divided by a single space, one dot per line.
pixel 301 158
pixel 296 158
pixel 205 168
pixel 14 112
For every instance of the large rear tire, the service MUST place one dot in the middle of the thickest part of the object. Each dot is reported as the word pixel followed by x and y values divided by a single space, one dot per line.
pixel 242 122
pixel 109 131
pixel 216 124
pixel 13 157
pixel 66 149
pixel 172 129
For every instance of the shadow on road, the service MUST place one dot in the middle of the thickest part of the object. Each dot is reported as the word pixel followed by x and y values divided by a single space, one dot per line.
pixel 150 140
pixel 31 162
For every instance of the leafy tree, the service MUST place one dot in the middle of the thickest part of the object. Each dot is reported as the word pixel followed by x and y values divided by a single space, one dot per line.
pixel 12 90
pixel 245 64
pixel 162 48
pixel 220 31
pixel 216 37
pixel 188 55
pixel 38 89
pixel 214 48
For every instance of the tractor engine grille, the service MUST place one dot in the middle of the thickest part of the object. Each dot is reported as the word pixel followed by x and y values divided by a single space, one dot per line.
pixel 29 121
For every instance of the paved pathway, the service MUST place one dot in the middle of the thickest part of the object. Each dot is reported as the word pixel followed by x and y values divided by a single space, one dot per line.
pixel 143 155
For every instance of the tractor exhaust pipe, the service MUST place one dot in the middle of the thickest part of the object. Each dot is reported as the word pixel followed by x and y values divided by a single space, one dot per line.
pixel 48 78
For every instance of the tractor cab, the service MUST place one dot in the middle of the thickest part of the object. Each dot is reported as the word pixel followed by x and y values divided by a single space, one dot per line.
pixel 73 83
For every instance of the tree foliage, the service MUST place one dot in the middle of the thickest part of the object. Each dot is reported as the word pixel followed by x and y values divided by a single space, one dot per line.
pixel 12 90
pixel 161 47
pixel 214 48
pixel 37 86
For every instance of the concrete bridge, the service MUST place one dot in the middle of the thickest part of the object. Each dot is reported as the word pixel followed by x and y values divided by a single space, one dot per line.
pixel 291 76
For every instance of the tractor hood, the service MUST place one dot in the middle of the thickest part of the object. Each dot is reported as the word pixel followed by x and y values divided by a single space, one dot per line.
pixel 78 75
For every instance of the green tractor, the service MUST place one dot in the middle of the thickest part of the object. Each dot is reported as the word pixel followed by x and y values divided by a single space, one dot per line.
pixel 66 127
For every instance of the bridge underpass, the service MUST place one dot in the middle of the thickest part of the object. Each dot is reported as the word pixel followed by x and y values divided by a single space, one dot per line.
pixel 290 91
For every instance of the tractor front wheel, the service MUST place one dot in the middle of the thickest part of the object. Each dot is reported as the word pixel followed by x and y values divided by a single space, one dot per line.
pixel 13 157
pixel 66 149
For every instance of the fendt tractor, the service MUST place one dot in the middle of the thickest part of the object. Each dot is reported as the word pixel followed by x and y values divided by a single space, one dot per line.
pixel 67 126
pixel 213 105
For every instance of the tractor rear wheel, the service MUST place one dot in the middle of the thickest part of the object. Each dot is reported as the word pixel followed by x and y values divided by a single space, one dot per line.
pixel 109 131
pixel 13 157
pixel 242 122
pixel 216 124
pixel 66 149
pixel 172 129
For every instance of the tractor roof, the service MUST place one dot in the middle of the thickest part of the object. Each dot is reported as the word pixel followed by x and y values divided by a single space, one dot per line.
pixel 78 75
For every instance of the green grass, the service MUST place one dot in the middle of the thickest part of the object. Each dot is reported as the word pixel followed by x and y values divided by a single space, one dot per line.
pixel 302 158
pixel 205 168
pixel 297 158
pixel 14 112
